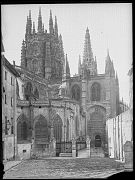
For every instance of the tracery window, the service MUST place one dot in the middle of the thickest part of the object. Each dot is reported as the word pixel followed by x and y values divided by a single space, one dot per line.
pixel 41 130
pixel 28 90
pixel 76 92
pixel 95 92
pixel 57 128
pixel 22 129
pixel 36 93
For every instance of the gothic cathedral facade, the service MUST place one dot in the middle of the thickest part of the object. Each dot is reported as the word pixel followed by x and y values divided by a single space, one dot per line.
pixel 56 105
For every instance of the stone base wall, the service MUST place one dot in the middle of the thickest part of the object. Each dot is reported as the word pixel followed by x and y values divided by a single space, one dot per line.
pixel 24 151
pixel 119 131
pixel 9 147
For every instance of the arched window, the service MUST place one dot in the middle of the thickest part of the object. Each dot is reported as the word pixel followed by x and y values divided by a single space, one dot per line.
pixel 22 129
pixel 76 92
pixel 28 90
pixel 57 129
pixel 36 93
pixel 19 135
pixel 95 92
pixel 41 129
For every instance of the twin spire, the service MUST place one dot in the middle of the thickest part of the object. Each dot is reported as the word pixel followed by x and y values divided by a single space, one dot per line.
pixel 109 67
pixel 53 29
pixel 66 72
pixel 39 21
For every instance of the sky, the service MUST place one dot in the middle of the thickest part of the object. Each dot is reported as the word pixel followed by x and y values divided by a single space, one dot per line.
pixel 110 27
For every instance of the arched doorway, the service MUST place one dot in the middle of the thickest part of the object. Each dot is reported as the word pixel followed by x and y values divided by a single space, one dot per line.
pixel 97 141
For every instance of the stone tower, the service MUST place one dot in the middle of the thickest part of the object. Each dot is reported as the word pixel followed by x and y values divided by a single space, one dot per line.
pixel 42 53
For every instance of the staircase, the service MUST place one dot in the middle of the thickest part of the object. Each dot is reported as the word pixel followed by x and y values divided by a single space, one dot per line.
pixel 97 152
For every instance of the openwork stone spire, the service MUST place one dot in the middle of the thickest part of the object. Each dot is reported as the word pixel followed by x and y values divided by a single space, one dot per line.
pixel 66 73
pixel 56 27
pixel 89 65
pixel 87 55
pixel 109 67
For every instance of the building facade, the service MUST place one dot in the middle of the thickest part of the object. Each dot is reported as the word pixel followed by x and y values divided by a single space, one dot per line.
pixel 56 105
pixel 119 131
pixel 9 111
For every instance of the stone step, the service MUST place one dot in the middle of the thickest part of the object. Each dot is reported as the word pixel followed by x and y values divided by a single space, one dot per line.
pixel 105 162
pixel 97 155
pixel 97 152
pixel 65 154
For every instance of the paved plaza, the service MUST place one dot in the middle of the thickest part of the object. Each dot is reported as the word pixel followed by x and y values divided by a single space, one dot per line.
pixel 64 168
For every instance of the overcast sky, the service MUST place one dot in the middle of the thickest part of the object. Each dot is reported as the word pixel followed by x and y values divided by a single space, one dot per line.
pixel 110 26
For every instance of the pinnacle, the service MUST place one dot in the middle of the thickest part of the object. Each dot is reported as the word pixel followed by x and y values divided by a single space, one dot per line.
pixel 50 13
pixel 55 18
pixel 108 52
pixel 39 11
pixel 108 55
pixel 29 14
pixel 87 30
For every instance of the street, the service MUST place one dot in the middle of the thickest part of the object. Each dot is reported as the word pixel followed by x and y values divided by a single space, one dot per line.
pixel 64 168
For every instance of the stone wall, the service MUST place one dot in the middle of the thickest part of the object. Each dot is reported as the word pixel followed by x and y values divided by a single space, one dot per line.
pixel 9 147
pixel 24 151
pixel 8 112
pixel 119 131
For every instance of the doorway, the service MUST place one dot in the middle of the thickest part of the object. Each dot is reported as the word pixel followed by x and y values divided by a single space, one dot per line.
pixel 97 141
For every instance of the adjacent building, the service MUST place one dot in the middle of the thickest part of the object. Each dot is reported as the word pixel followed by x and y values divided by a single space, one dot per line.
pixel 9 80
pixel 120 128
pixel 119 131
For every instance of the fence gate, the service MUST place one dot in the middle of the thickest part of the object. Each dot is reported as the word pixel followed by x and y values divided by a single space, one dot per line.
pixel 63 147
pixel 80 144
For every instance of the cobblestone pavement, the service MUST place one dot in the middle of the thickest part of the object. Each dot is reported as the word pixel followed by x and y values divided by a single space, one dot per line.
pixel 62 168
pixel 10 164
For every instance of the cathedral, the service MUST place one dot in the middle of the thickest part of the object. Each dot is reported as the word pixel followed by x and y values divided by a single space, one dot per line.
pixel 55 106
